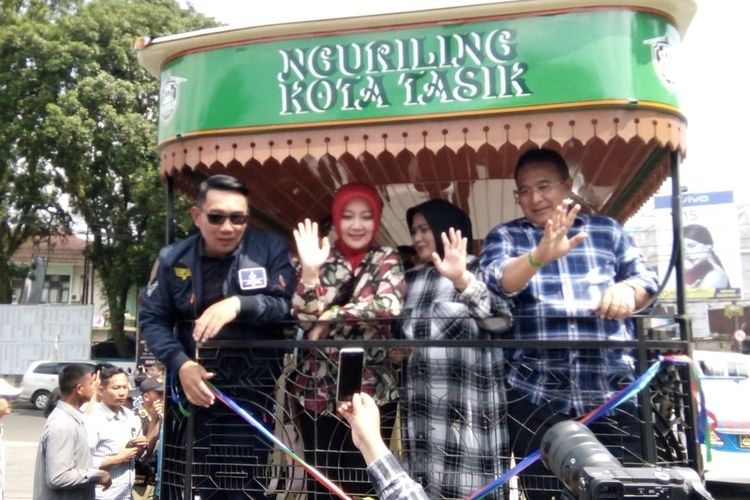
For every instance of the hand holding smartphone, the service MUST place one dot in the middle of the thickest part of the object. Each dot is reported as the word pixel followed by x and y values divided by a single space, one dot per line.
pixel 351 364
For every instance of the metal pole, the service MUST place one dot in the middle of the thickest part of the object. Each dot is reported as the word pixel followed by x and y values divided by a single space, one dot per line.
pixel 92 284
pixel 648 445
pixel 169 236
pixel 679 268
pixel 189 456
pixel 694 452
pixel 86 277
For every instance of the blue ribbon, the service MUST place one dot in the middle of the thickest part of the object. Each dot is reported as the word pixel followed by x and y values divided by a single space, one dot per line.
pixel 628 392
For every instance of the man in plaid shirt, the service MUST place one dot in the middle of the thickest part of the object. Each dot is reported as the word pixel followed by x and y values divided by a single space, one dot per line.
pixel 388 478
pixel 570 276
pixel 114 435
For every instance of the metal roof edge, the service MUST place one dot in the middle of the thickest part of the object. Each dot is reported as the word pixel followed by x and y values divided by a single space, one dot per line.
pixel 153 52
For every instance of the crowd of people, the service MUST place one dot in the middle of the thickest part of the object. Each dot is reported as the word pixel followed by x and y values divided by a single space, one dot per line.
pixel 554 274
pixel 100 438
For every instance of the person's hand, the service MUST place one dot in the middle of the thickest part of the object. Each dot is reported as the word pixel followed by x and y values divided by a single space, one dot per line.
pixel 312 251
pixel 453 264
pixel 214 318
pixel 88 407
pixel 555 242
pixel 4 407
pixel 127 454
pixel 158 408
pixel 138 442
pixel 322 327
pixel 96 383
pixel 105 479
pixel 363 417
pixel 618 302
pixel 192 378
pixel 155 409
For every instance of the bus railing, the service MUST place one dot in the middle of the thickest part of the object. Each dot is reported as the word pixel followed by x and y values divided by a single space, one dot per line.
pixel 207 451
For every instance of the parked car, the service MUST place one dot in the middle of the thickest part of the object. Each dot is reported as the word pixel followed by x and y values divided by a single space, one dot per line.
pixel 723 363
pixel 40 379
pixel 726 387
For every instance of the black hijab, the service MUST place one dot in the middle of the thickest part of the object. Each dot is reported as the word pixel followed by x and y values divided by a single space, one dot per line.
pixel 442 215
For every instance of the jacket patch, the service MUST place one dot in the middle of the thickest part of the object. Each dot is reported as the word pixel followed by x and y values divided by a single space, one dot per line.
pixel 182 272
pixel 252 278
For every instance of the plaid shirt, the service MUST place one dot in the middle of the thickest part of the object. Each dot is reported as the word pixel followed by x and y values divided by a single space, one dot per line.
pixel 455 399
pixel 108 432
pixel 558 303
pixel 391 482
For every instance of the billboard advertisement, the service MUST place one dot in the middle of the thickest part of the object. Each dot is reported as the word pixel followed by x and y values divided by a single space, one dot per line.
pixel 711 245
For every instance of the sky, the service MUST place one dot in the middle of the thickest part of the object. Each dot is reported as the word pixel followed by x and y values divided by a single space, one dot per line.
pixel 710 91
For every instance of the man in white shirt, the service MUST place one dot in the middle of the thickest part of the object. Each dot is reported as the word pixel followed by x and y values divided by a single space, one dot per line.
pixel 114 433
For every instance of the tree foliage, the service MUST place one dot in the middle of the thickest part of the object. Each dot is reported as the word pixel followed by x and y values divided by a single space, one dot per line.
pixel 29 201
pixel 96 121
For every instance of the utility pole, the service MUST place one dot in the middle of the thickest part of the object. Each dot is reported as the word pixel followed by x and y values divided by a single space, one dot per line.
pixel 736 311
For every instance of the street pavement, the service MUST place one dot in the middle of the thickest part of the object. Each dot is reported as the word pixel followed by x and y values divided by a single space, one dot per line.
pixel 21 432
pixel 20 469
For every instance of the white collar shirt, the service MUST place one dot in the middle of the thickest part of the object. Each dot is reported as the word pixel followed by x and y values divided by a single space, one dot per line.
pixel 108 433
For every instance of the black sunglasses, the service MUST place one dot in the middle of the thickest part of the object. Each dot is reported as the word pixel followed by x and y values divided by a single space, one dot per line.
pixel 219 219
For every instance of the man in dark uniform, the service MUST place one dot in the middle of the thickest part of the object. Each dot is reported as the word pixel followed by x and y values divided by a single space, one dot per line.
pixel 151 413
pixel 229 280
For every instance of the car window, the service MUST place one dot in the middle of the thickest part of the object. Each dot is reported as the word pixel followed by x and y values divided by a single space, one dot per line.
pixel 713 368
pixel 63 365
pixel 738 369
pixel 725 366
pixel 47 368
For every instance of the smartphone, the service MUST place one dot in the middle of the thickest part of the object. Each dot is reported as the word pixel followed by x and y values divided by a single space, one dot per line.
pixel 351 364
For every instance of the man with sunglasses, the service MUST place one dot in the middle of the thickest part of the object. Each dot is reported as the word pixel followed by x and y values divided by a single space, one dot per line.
pixel 228 280
pixel 570 276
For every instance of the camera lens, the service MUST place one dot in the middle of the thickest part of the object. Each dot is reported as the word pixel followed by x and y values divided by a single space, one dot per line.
pixel 569 446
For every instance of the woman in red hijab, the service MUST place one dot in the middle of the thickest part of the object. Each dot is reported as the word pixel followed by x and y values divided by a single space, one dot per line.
pixel 342 292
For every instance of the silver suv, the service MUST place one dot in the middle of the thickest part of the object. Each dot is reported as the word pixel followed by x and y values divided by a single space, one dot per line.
pixel 40 380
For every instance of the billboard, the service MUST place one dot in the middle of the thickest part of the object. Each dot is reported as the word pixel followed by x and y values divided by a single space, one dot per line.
pixel 418 71
pixel 711 245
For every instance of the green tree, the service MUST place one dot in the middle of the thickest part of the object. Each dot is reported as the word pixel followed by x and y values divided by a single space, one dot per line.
pixel 100 133
pixel 29 200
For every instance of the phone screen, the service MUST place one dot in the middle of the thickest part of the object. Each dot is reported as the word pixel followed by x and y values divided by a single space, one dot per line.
pixel 351 363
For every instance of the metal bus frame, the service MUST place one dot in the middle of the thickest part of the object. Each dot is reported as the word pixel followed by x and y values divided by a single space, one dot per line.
pixel 621 142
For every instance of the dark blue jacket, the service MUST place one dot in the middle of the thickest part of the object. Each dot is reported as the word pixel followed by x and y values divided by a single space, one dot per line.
pixel 171 301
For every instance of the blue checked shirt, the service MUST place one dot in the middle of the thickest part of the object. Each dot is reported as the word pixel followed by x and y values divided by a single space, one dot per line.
pixel 108 433
pixel 391 482
pixel 558 304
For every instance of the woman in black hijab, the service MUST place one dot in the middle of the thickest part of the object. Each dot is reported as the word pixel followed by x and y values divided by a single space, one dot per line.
pixel 456 436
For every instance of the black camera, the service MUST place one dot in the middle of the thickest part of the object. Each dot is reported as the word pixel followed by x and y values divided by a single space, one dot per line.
pixel 590 472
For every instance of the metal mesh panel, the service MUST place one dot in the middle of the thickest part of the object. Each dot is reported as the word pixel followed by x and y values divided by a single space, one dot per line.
pixel 215 454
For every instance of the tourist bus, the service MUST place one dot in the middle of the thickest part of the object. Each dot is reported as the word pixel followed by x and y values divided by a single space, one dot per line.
pixel 428 104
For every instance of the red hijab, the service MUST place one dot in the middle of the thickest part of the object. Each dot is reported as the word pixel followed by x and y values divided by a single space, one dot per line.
pixel 341 199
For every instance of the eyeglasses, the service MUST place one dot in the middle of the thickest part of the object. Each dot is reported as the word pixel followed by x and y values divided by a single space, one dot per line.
pixel 543 188
pixel 217 219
